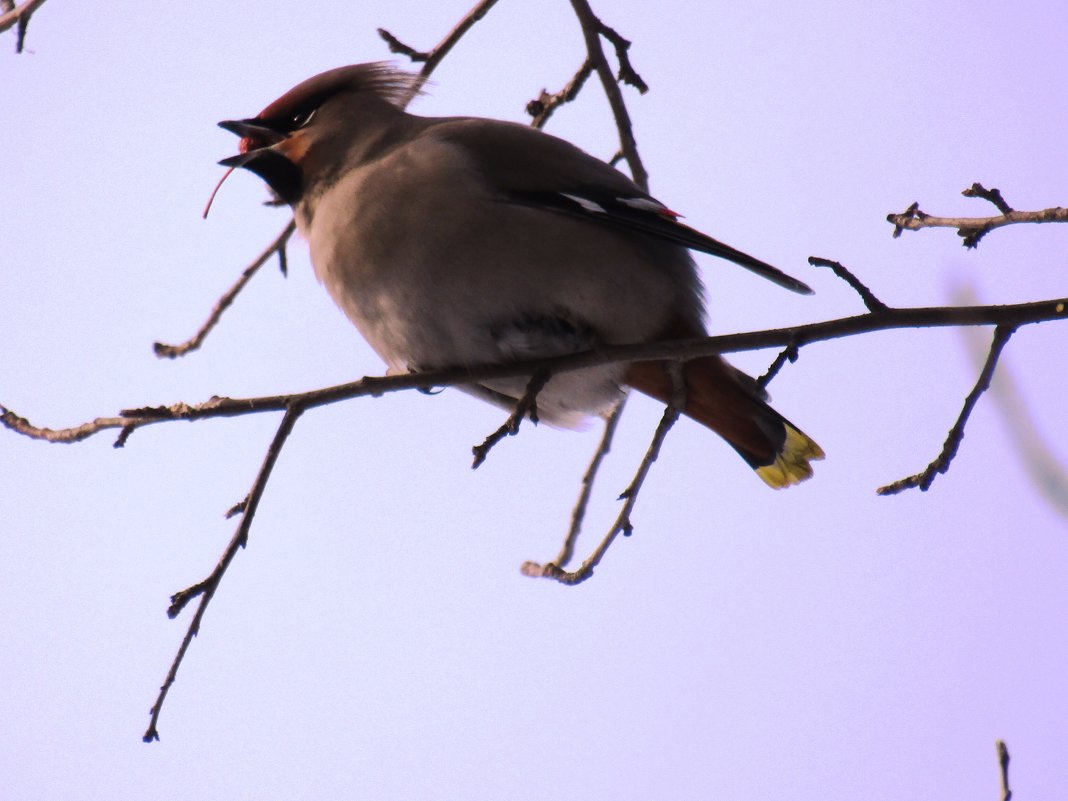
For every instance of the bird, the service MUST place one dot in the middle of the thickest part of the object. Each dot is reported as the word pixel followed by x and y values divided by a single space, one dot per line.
pixel 464 241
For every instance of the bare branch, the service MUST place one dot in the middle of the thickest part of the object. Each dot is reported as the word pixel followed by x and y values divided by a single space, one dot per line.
pixel 623 524
pixel 19 16
pixel 205 589
pixel 787 354
pixel 1010 316
pixel 991 195
pixel 973 229
pixel 399 47
pixel 543 108
pixel 524 407
pixel 923 480
pixel 277 246
pixel 592 30
pixel 1003 765
pixel 431 59
pixel 578 514
pixel 627 73
pixel 1049 473
pixel 866 295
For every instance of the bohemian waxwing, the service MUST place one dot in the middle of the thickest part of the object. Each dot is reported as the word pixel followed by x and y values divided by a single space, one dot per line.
pixel 458 241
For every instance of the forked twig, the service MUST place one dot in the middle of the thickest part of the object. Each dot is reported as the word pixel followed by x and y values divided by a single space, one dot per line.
pixel 592 30
pixel 973 229
pixel 578 514
pixel 205 589
pixel 432 58
pixel 629 496
pixel 923 480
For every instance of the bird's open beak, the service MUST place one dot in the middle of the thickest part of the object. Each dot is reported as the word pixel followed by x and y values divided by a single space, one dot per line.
pixel 258 155
pixel 252 132
pixel 254 138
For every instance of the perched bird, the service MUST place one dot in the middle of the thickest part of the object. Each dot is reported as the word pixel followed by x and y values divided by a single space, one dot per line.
pixel 459 241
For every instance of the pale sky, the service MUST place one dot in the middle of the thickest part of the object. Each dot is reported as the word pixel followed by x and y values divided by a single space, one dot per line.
pixel 376 639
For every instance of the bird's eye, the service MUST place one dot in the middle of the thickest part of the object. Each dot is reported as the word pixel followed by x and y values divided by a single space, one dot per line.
pixel 300 120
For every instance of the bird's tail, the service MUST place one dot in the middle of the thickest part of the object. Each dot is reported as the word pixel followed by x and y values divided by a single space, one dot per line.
pixel 728 402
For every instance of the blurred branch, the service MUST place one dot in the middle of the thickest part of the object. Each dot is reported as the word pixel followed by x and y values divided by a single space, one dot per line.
pixel 973 229
pixel 923 480
pixel 18 17
pixel 1009 316
pixel 1003 765
pixel 1048 473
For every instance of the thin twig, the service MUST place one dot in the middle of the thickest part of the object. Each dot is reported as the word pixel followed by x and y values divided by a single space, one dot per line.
pixel 990 195
pixel 19 16
pixel 277 246
pixel 592 30
pixel 432 58
pixel 1003 765
pixel 866 295
pixel 543 107
pixel 629 496
pixel 973 229
pixel 933 317
pixel 923 480
pixel 1048 471
pixel 578 514
pixel 787 354
pixel 526 406
pixel 627 73
pixel 206 588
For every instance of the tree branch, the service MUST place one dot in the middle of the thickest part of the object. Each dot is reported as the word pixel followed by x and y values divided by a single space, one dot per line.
pixel 206 589
pixel 622 524
pixel 592 30
pixel 1010 316
pixel 923 480
pixel 973 229
pixel 19 16
pixel 578 514
pixel 526 406
pixel 193 343
pixel 1003 766
pixel 431 59
pixel 543 107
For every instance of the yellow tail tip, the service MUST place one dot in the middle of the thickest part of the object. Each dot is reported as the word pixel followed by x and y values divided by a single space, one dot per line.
pixel 791 465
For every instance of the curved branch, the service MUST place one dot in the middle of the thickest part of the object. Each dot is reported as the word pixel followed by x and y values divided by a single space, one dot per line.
pixel 277 246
